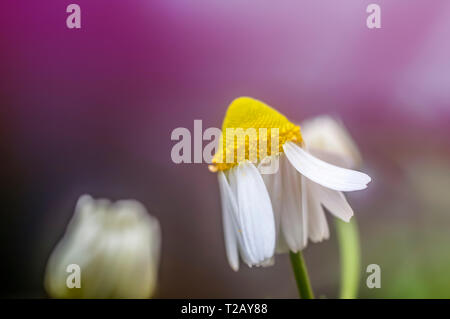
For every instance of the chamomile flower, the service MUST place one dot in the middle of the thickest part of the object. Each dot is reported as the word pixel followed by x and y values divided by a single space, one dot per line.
pixel 262 211
pixel 115 247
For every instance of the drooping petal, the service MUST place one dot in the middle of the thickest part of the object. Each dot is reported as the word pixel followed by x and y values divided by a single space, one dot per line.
pixel 281 247
pixel 274 188
pixel 325 174
pixel 317 222
pixel 229 208
pixel 289 204
pixel 294 216
pixel 334 202
pixel 255 214
pixel 231 243
pixel 232 223
pixel 305 211
pixel 246 252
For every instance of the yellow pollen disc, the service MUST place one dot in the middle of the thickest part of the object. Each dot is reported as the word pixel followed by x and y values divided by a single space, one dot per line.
pixel 247 132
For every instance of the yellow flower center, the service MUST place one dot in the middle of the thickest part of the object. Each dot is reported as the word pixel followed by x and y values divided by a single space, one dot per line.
pixel 249 132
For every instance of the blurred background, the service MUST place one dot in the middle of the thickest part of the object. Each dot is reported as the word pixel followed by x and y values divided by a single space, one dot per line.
pixel 91 110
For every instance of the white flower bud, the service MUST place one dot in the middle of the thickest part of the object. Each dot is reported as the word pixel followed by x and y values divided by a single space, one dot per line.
pixel 116 247
pixel 328 139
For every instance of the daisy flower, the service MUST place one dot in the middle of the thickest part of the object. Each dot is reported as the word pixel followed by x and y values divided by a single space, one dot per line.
pixel 281 209
pixel 116 247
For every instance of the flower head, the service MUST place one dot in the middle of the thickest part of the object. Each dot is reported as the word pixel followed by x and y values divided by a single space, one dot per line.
pixel 262 210
pixel 116 247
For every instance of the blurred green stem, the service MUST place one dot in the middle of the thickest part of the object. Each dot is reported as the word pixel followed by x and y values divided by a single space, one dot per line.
pixel 349 249
pixel 301 275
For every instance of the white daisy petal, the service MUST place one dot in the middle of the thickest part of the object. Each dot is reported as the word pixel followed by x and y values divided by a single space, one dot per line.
pixel 325 174
pixel 292 207
pixel 273 185
pixel 236 223
pixel 246 251
pixel 334 202
pixel 229 208
pixel 317 223
pixel 255 212
pixel 305 209
pixel 281 247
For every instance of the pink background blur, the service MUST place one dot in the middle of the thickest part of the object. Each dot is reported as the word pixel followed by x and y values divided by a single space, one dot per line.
pixel 92 110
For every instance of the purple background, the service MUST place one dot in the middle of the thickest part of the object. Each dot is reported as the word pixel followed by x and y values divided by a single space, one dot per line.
pixel 92 110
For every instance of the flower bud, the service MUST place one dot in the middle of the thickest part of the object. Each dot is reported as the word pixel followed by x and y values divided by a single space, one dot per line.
pixel 328 139
pixel 115 247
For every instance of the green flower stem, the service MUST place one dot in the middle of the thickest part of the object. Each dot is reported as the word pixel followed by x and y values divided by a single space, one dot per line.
pixel 349 249
pixel 301 275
